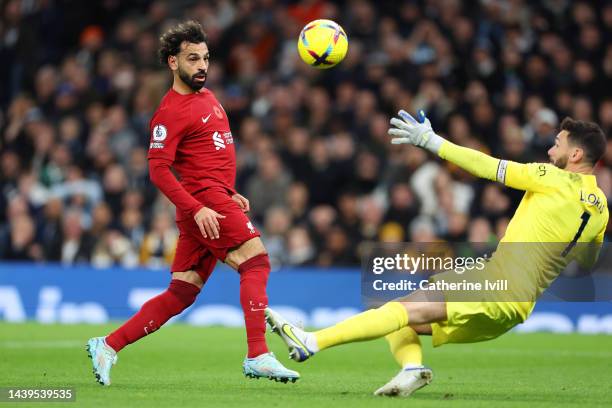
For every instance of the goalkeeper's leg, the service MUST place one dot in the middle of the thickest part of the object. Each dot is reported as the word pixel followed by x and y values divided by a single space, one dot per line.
pixel 417 308
pixel 405 346
pixel 406 349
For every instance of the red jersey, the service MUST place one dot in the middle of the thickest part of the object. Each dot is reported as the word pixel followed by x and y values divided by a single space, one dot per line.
pixel 191 133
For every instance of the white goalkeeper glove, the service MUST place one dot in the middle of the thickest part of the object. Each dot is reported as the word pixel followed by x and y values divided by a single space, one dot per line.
pixel 415 132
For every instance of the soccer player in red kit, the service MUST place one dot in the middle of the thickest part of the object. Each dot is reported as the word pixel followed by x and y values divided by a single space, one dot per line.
pixel 190 132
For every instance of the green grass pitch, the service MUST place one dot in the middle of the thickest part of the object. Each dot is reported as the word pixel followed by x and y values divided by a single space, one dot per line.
pixel 183 366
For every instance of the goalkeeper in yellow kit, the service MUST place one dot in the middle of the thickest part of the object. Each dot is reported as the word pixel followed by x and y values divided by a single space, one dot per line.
pixel 562 205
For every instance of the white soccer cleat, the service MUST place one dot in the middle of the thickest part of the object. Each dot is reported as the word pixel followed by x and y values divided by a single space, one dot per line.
pixel 103 357
pixel 406 382
pixel 294 337
pixel 267 366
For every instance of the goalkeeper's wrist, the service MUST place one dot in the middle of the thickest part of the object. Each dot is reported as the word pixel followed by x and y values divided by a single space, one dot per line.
pixel 434 143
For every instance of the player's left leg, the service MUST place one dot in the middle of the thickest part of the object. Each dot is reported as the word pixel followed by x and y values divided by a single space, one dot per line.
pixel 405 346
pixel 240 247
pixel 466 322
pixel 251 261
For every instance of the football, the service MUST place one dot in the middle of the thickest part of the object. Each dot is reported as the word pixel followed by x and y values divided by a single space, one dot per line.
pixel 322 44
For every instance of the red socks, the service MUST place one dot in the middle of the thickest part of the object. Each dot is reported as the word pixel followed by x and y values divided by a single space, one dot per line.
pixel 180 295
pixel 154 313
pixel 253 279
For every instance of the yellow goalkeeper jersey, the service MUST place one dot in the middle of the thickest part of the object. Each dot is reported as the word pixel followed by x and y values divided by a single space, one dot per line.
pixel 560 210
pixel 558 205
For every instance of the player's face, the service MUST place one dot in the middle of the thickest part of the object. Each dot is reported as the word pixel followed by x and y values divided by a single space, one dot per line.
pixel 192 64
pixel 559 153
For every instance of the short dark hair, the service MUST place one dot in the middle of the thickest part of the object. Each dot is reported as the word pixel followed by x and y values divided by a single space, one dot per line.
pixel 170 41
pixel 588 136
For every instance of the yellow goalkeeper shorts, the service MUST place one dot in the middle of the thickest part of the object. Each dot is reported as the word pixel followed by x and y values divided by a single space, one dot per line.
pixel 470 322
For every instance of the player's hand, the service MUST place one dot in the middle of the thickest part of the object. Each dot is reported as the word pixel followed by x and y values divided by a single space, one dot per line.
pixel 408 130
pixel 242 202
pixel 207 220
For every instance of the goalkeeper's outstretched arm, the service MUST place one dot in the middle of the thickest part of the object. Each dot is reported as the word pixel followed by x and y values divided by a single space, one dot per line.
pixel 408 130
pixel 420 133
pixel 477 163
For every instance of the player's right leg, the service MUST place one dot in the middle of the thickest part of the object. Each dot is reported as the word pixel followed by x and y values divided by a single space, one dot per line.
pixel 417 308
pixel 193 265
pixel 404 344
pixel 103 357
pixel 181 293
pixel 302 344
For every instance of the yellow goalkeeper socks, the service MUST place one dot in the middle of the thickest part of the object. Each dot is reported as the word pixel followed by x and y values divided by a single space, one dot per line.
pixel 405 347
pixel 370 324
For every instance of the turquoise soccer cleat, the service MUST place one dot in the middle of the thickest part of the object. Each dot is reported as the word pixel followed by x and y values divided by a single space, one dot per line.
pixel 267 366
pixel 294 337
pixel 103 357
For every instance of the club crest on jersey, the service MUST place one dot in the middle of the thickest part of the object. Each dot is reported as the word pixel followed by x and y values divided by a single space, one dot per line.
pixel 250 227
pixel 159 133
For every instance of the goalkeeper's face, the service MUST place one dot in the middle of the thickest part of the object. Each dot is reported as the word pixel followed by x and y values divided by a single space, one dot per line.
pixel 561 151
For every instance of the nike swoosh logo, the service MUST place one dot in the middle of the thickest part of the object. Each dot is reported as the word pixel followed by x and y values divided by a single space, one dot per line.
pixel 287 330
pixel 257 310
pixel 206 120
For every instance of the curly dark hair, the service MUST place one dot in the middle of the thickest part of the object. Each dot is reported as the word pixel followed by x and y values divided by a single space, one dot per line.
pixel 588 136
pixel 170 41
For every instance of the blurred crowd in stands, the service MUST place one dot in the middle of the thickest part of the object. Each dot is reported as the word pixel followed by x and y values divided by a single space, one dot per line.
pixel 79 82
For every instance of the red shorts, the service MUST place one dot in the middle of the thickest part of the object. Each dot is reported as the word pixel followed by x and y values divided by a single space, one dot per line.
pixel 194 252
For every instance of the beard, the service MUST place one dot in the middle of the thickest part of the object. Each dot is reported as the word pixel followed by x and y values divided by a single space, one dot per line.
pixel 561 162
pixel 191 81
